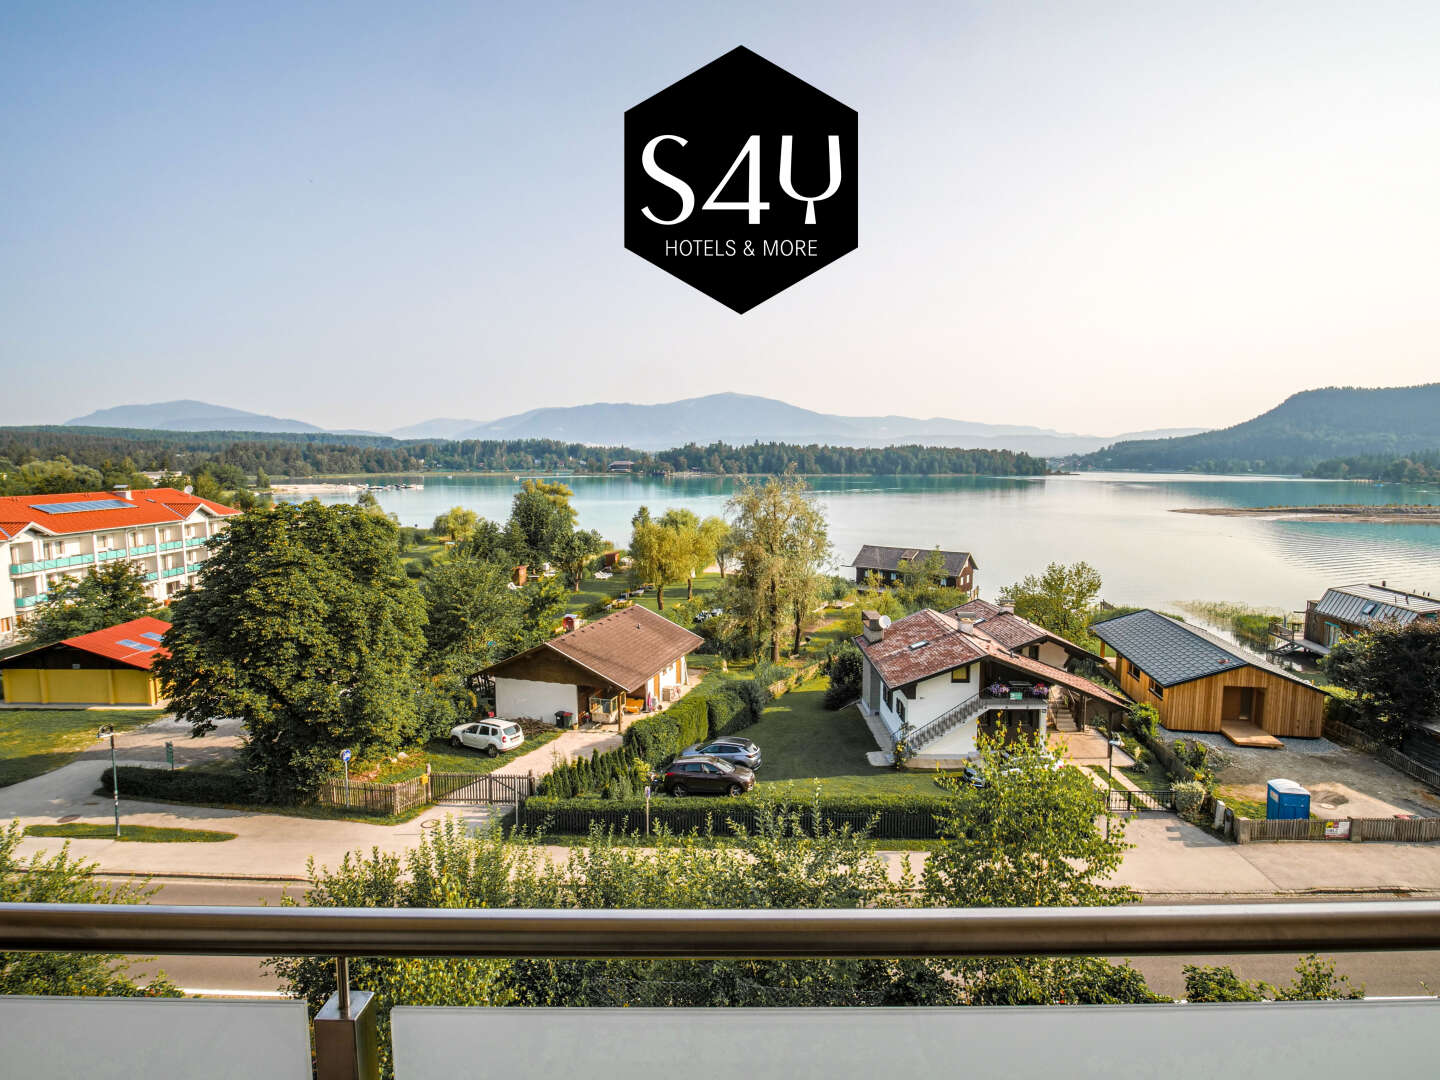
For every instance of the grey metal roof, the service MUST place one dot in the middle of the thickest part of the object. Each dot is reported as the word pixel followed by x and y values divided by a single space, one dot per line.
pixel 876 557
pixel 1171 652
pixel 1362 604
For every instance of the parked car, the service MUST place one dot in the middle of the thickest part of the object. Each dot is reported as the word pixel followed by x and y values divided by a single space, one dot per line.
pixel 491 736
pixel 706 775
pixel 728 748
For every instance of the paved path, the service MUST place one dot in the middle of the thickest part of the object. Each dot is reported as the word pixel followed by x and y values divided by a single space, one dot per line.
pixel 569 746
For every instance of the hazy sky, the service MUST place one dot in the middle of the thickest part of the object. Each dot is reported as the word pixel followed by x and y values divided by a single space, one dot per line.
pixel 1091 217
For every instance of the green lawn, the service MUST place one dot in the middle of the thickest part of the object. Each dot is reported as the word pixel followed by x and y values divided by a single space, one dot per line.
pixel 142 834
pixel 35 741
pixel 592 591
pixel 804 745
pixel 448 759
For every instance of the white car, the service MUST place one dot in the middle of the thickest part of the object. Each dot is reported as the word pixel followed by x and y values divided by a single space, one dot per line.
pixel 492 736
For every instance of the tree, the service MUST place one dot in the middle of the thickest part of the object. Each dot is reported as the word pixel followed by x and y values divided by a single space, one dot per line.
pixel 62 879
pixel 554 492
pixel 1393 671
pixel 1061 599
pixel 538 524
pixel 575 552
pixel 1027 836
pixel 662 551
pixel 106 596
pixel 50 478
pixel 846 676
pixel 1315 980
pixel 308 630
pixel 723 545
pixel 778 530
pixel 457 523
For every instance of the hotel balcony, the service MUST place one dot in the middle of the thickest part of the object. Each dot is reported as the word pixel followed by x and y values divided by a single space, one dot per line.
pixel 157 1039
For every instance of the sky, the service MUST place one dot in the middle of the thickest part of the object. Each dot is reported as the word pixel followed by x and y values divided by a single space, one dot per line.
pixel 1092 217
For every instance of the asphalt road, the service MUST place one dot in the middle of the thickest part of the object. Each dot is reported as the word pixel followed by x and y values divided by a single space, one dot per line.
pixel 1390 974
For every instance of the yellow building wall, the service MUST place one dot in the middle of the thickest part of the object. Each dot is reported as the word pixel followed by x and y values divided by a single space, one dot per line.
pixel 89 686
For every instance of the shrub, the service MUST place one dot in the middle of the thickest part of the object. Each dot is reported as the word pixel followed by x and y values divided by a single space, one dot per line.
pixel 658 738
pixel 1144 719
pixel 1189 796
pixel 837 587
pixel 728 713
pixel 182 785
pixel 755 694
pixel 907 816
pixel 846 676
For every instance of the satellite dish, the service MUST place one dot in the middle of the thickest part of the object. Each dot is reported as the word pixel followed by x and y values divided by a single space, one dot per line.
pixel 884 622
pixel 189 490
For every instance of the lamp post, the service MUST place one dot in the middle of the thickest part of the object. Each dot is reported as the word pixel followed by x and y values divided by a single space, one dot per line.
pixel 1110 744
pixel 109 729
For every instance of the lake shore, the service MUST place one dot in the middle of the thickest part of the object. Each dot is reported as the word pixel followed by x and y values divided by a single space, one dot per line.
pixel 1376 515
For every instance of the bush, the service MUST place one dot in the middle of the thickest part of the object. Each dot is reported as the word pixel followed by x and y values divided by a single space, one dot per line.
pixel 1189 796
pixel 182 785
pixel 1144 719
pixel 837 587
pixel 755 694
pixel 615 774
pixel 846 676
pixel 728 713
pixel 658 738
pixel 908 816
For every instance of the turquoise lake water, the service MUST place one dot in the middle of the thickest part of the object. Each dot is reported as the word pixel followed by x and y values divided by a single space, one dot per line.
pixel 1121 523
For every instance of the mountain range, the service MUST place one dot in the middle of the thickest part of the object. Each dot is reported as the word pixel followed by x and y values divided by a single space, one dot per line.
pixel 731 418
pixel 1299 433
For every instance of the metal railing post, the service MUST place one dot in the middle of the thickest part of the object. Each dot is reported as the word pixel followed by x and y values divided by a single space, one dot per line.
pixel 346 1045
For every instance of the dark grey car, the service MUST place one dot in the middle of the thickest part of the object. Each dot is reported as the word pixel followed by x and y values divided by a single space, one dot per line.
pixel 727 748
pixel 706 776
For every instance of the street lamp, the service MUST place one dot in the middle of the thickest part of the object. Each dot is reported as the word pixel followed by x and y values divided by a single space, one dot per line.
pixel 109 729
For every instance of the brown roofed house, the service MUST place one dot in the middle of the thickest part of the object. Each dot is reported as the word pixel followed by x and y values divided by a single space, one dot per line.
pixel 632 655
pixel 959 566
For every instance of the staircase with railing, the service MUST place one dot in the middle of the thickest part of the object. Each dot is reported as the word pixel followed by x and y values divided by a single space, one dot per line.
pixel 947 721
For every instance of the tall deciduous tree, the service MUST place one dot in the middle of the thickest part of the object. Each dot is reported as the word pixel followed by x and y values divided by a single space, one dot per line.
pixel 457 523
pixel 308 630
pixel 779 532
pixel 661 550
pixel 106 596
pixel 554 492
pixel 575 552
pixel 1061 599
pixel 538 524
pixel 1394 673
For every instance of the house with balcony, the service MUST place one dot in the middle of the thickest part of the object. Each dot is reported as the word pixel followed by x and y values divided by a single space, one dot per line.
pixel 46 538
pixel 959 570
pixel 943 681
pixel 1346 610
pixel 1000 623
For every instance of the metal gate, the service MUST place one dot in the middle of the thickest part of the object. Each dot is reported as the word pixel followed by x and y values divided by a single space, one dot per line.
pixel 475 789
pixel 1129 802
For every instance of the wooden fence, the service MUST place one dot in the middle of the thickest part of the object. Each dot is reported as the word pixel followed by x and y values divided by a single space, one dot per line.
pixel 372 798
pixel 1398 830
pixel 1345 735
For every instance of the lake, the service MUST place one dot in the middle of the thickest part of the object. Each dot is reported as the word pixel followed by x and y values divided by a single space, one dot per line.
pixel 1120 523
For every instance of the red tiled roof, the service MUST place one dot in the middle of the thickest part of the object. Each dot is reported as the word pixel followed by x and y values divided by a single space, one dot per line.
pixel 919 646
pixel 154 506
pixel 11 528
pixel 625 648
pixel 1011 630
pixel 107 642
pixel 900 658
pixel 975 609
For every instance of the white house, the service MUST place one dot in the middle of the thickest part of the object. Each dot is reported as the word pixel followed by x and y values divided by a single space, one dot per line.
pixel 46 538
pixel 631 656
pixel 943 680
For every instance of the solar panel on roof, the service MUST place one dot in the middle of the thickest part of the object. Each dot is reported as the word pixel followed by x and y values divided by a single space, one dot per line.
pixel 152 635
pixel 81 507
pixel 136 645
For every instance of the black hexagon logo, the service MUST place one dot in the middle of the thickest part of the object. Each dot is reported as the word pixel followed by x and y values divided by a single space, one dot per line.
pixel 740 179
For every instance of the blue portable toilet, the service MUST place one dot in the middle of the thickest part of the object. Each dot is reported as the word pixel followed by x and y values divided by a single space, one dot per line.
pixel 1285 800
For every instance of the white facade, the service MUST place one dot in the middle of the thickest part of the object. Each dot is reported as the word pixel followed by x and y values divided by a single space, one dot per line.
pixel 928 700
pixel 519 699
pixel 35 561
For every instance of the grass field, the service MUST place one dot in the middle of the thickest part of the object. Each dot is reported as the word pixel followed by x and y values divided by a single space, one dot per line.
pixel 36 741
pixel 140 834
pixel 806 746
pixel 593 591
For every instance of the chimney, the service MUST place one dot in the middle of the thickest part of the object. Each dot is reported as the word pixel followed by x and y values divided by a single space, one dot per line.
pixel 967 626
pixel 519 574
pixel 122 491
pixel 1008 608
pixel 871 622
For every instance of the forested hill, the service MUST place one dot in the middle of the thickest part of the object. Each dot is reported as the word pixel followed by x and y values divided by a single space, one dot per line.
pixel 1296 435
pixel 313 454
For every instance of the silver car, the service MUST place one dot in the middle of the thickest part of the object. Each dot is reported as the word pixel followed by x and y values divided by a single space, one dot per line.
pixel 735 750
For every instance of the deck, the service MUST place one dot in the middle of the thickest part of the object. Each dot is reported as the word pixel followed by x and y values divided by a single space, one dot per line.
pixel 1244 733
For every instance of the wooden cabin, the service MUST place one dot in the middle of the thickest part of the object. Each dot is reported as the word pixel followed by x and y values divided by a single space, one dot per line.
pixel 959 572
pixel 1199 682
pixel 106 667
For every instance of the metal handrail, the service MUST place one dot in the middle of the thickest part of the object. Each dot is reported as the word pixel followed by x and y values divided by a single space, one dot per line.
pixel 1127 931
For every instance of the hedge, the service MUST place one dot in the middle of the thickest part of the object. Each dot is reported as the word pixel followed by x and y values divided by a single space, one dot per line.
pixel 181 785
pixel 728 713
pixel 896 817
pixel 658 738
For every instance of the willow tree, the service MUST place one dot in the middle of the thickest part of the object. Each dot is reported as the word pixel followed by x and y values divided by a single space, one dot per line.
pixel 781 542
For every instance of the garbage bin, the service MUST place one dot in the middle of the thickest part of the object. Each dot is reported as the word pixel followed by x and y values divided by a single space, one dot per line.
pixel 564 719
pixel 1285 800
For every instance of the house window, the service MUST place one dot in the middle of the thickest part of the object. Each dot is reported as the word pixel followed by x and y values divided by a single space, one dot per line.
pixel 887 697
pixel 1134 671
pixel 1033 652
pixel 960 674
pixel 900 708
pixel 1157 689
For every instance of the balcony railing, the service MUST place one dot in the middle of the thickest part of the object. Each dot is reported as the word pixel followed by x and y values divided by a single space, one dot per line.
pixel 173 571
pixel 22 602
pixel 172 545
pixel 345 1034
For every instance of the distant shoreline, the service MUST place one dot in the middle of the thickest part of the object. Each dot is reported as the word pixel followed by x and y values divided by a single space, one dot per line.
pixel 1376 515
